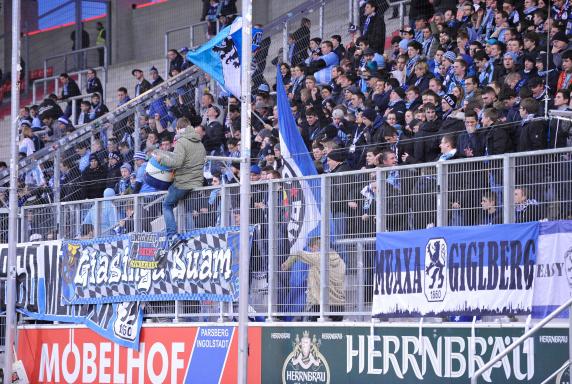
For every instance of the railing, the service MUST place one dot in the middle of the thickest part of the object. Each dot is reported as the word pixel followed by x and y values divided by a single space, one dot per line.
pixel 81 59
pixel 557 372
pixel 525 337
pixel 192 42
pixel 427 198
pixel 55 79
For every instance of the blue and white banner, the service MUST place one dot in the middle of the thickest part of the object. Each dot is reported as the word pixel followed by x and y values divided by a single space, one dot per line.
pixel 137 267
pixel 304 194
pixel 39 296
pixel 485 270
pixel 553 270
pixel 220 57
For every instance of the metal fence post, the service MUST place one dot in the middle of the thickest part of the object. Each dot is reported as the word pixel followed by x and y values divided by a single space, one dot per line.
pixel 45 75
pixel 361 278
pixel 380 198
pixel 74 114
pixel 272 219
pixel 191 36
pixel 166 43
pixel 442 188
pixel 285 47
pixel 324 244
pixel 569 339
pixel 137 227
pixel 96 218
pixel 23 225
pixel 508 170
pixel 321 16
pixel 57 190
pixel 224 222
pixel 401 14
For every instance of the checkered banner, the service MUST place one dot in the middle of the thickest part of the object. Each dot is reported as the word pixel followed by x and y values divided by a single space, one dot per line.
pixel 203 265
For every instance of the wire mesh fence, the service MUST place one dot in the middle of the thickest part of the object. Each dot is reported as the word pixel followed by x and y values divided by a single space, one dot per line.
pixel 348 208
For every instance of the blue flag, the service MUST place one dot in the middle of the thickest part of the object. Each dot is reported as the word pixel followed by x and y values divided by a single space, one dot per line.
pixel 220 57
pixel 304 196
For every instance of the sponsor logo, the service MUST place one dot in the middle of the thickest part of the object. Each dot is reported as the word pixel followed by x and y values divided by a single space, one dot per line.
pixel 144 250
pixel 305 364
pixel 435 270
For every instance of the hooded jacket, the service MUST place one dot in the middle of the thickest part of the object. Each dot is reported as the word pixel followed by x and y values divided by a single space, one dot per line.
pixel 187 160
pixel 108 215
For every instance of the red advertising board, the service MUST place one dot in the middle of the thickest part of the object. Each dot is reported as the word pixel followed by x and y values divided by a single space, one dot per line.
pixel 167 354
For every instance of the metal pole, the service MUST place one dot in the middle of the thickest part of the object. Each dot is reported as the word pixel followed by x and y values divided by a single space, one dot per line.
pixel 137 129
pixel 401 14
pixel 13 214
pixel 442 204
pixel 78 34
pixel 508 188
pixel 57 190
pixel 45 75
pixel 285 42
pixel 520 340
pixel 324 244
pixel 361 279
pixel 547 69
pixel 272 219
pixel 570 338
pixel 166 42
pixel 246 106
pixel 321 15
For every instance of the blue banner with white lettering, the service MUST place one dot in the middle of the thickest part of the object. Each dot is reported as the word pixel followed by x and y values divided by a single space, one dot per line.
pixel 553 270
pixel 484 270
pixel 210 352
pixel 39 296
pixel 203 265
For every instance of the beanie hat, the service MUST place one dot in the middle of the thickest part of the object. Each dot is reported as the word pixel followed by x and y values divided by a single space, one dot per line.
pixel 127 166
pixel 451 100
pixel 140 156
pixel 450 55
pixel 338 155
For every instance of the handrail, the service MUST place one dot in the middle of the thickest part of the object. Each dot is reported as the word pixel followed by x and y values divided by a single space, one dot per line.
pixel 119 113
pixel 71 74
pixel 521 340
pixel 191 28
pixel 557 372
pixel 77 51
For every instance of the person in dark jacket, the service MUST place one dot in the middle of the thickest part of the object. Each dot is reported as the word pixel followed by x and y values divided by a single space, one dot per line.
pixel 525 208
pixel 176 61
pixel 142 85
pixel 301 42
pixel 92 178
pixel 156 79
pixel 93 82
pixel 533 133
pixel 214 139
pixel 497 139
pixel 344 198
pixel 69 89
pixel 373 26
pixel 420 8
pixel 470 142
pixel 426 140
pixel 98 109
pixel 113 169
pixel 491 211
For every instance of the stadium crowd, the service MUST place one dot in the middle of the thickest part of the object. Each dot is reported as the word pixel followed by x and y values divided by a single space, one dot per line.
pixel 462 79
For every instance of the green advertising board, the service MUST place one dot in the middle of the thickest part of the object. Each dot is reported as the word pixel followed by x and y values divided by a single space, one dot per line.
pixel 388 354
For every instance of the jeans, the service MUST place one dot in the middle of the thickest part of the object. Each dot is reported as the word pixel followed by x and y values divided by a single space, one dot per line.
pixel 171 200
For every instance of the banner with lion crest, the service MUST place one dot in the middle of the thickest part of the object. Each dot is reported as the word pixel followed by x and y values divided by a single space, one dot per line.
pixel 454 271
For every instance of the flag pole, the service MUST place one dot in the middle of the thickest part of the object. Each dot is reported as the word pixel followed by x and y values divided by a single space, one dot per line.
pixel 13 214
pixel 244 244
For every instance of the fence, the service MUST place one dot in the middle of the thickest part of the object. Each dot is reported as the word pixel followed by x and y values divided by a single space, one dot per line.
pixel 353 207
pixel 79 77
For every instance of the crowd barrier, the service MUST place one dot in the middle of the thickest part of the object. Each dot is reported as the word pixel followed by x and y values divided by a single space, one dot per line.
pixel 450 193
